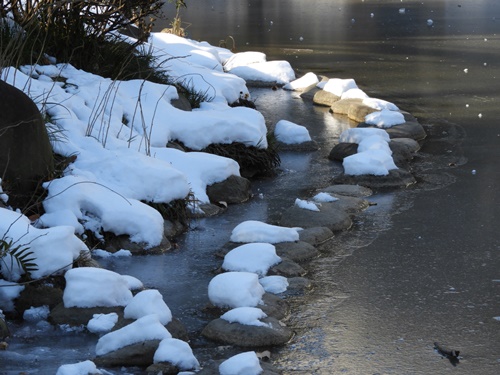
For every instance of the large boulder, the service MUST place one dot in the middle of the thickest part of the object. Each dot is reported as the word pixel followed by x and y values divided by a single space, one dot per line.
pixel 272 334
pixel 325 98
pixel 25 152
pixel 138 354
pixel 296 251
pixel 358 111
pixel 341 107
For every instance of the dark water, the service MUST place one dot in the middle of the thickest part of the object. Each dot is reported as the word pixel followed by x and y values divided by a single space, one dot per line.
pixel 424 265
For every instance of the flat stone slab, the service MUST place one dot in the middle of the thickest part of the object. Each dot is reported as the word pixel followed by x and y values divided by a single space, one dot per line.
pixel 397 178
pixel 348 190
pixel 287 268
pixel 409 129
pixel 358 111
pixel 325 98
pixel 342 106
pixel 315 236
pixel 138 354
pixel 329 216
pixel 296 251
pixel 248 336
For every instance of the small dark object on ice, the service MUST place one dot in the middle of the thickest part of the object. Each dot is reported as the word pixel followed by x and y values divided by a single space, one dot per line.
pixel 451 354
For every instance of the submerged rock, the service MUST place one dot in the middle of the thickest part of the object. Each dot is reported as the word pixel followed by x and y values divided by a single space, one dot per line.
pixel 397 178
pixel 329 216
pixel 315 236
pixel 296 251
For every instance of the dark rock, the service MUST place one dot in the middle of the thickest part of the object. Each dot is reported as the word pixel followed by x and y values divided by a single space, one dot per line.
pixel 76 316
pixel 209 210
pixel 296 251
pixel 297 286
pixel 402 152
pixel 4 330
pixel 163 368
pixel 342 150
pixel 350 205
pixel 26 157
pixel 341 107
pixel 114 243
pixel 397 178
pixel 347 190
pixel 173 228
pixel 287 268
pixel 38 295
pixel 329 216
pixel 248 336
pixel 234 189
pixel 309 92
pixel 325 98
pixel 176 145
pixel 139 354
pixel 358 112
pixel 316 235
pixel 177 329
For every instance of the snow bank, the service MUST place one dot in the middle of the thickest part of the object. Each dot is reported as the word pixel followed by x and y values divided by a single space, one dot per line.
pixel 176 352
pixel 249 316
pixel 306 80
pixel 81 368
pixel 338 86
pixel 148 302
pixel 385 118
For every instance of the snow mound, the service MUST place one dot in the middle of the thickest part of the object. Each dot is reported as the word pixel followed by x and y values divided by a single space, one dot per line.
pixel 274 284
pixel 235 289
pixel 306 80
pixel 176 352
pixel 385 118
pixel 92 287
pixel 143 329
pixel 241 364
pixel 338 86
pixel 81 368
pixel 257 231
pixel 249 316
pixel 253 257
pixel 148 302
pixel 306 205
pixel 291 133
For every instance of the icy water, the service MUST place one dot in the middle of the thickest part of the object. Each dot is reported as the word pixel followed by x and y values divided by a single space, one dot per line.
pixel 423 264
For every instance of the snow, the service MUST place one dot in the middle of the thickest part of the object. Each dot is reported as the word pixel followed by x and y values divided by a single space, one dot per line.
pixel 257 231
pixel 291 133
pixel 354 94
pixel 106 254
pixel 143 329
pixel 338 86
pixel 246 363
pixel 244 59
pixel 148 302
pixel 374 156
pixel 385 118
pixel 176 352
pixel 324 198
pixel 35 314
pixel 380 104
pixel 81 368
pixel 249 316
pixel 274 284
pixel 306 80
pixel 9 291
pixel 235 289
pixel 91 287
pixel 102 323
pixel 253 257
pixel 306 205
pixel 279 72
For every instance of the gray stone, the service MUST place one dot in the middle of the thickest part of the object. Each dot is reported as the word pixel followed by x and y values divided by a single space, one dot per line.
pixel 287 268
pixel 329 216
pixel 162 368
pixel 401 153
pixel 348 190
pixel 410 144
pixel 76 316
pixel 275 306
pixel 234 189
pixel 4 330
pixel 25 151
pixel 325 98
pixel 315 236
pixel 342 106
pixel 208 210
pixel 309 92
pixel 342 150
pixel 139 354
pixel 397 178
pixel 181 103
pixel 409 129
pixel 248 336
pixel 296 251
pixel 297 286
pixel 348 204
pixel 357 112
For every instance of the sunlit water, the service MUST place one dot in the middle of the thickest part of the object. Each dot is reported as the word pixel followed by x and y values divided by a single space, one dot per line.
pixel 418 267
